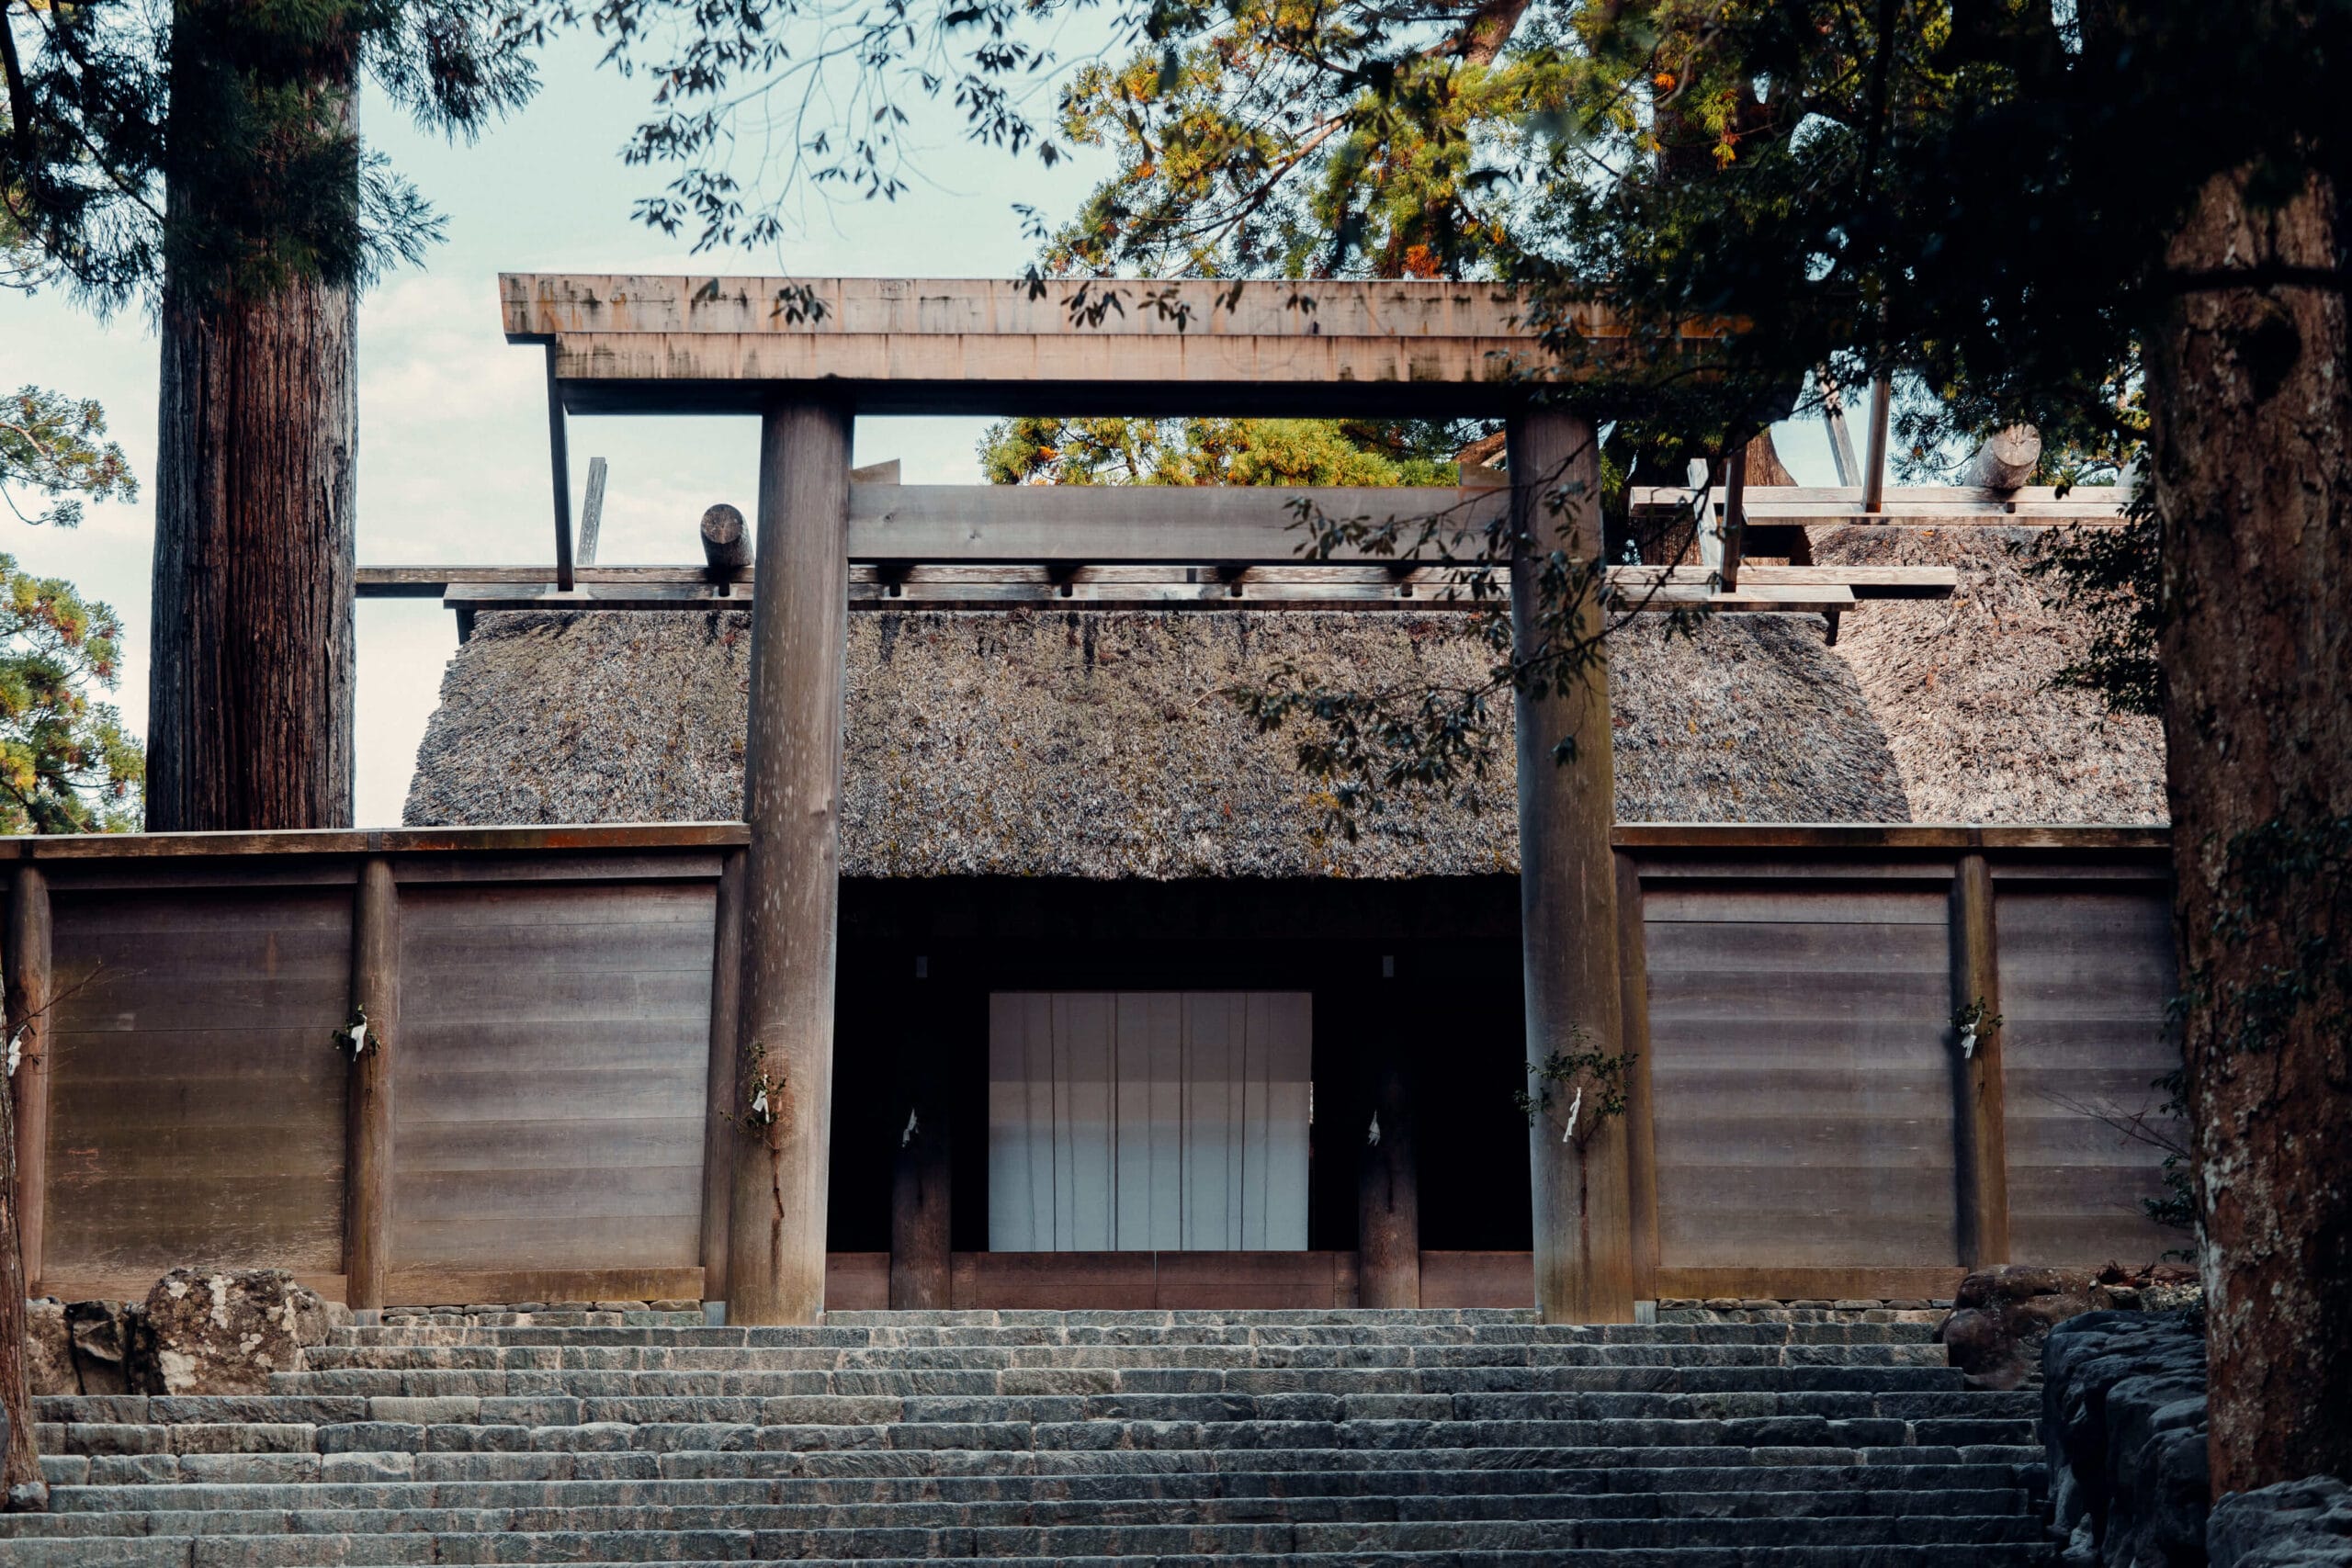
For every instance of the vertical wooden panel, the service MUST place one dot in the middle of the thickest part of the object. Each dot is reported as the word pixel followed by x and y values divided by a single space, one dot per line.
pixel 1641 1132
pixel 792 782
pixel 1800 1048
pixel 1284 1029
pixel 2087 969
pixel 198 1102
pixel 551 1076
pixel 1981 1154
pixel 29 1029
pixel 1584 1244
pixel 368 1130
pixel 722 1108
pixel 1151 1120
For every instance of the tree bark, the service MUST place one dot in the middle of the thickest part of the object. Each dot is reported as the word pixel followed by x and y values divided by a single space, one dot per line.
pixel 249 719
pixel 20 1478
pixel 2252 458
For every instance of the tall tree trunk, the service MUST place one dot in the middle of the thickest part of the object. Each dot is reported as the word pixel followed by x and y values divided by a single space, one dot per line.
pixel 20 1481
pixel 2252 446
pixel 250 709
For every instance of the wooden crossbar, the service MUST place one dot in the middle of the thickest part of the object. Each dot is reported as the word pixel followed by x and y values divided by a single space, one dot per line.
pixel 1936 506
pixel 655 344
pixel 1776 589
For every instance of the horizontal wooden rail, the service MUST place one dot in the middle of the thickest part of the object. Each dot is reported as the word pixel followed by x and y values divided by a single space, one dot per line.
pixel 676 343
pixel 633 836
pixel 1936 506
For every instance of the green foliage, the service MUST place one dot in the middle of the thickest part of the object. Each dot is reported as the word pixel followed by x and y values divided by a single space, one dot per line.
pixel 247 112
pixel 1216 452
pixel 1587 1086
pixel 55 448
pixel 66 766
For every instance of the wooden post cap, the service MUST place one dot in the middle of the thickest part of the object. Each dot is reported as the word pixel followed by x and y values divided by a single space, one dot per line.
pixel 726 542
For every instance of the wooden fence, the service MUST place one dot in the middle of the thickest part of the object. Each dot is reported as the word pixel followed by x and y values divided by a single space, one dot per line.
pixel 1804 1123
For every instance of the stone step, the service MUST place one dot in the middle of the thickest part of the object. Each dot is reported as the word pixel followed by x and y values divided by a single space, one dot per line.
pixel 192 1518
pixel 748 1460
pixel 634 1543
pixel 179 1416
pixel 231 1552
pixel 1365 1357
pixel 662 1424
pixel 1738 1481
pixel 1076 1333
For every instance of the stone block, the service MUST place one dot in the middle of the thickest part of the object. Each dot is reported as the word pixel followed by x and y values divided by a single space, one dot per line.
pixel 2295 1523
pixel 225 1331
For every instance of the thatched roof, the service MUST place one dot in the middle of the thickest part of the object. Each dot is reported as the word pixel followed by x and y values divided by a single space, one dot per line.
pixel 1962 689
pixel 1099 744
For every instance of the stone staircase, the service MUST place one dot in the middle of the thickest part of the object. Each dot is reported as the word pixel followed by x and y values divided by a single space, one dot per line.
pixel 1065 1438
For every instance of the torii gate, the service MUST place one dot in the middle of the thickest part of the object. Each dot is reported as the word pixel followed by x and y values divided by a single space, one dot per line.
pixel 809 354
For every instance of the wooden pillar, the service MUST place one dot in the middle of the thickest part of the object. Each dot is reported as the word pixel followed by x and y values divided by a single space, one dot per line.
pixel 1641 1127
pixel 922 1186
pixel 28 963
pixel 1980 1120
pixel 1388 1193
pixel 1567 880
pixel 368 1117
pixel 725 1034
pixel 792 770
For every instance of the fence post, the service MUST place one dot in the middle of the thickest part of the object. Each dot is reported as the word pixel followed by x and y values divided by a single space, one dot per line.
pixel 1568 886
pixel 368 1125
pixel 29 996
pixel 1981 1122
pixel 1388 1194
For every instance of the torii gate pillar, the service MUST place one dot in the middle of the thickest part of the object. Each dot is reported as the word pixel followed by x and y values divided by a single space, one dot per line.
pixel 792 776
pixel 1568 886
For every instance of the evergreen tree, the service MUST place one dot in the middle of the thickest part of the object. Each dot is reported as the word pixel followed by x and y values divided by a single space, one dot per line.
pixel 203 157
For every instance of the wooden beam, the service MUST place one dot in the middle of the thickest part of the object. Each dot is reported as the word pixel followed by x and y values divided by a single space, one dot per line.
pixel 560 458
pixel 1388 1192
pixel 1584 1244
pixel 921 1167
pixel 1865 836
pixel 1434 588
pixel 1811 1282
pixel 2005 461
pixel 1979 1120
pixel 791 781
pixel 592 512
pixel 1919 506
pixel 1875 466
pixel 410 843
pixel 1641 1120
pixel 436 1286
pixel 367 1125
pixel 721 1105
pixel 726 544
pixel 1841 437
pixel 1732 526
pixel 681 344
pixel 31 1027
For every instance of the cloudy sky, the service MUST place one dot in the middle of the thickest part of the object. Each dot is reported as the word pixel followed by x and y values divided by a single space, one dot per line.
pixel 453 421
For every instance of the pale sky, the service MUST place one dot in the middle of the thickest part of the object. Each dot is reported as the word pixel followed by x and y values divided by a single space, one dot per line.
pixel 453 459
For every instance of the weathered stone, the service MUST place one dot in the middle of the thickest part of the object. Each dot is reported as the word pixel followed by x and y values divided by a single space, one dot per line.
pixel 224 1331
pixel 2296 1524
pixel 1996 1331
pixel 2123 1420
pixel 105 1340
pixel 48 1348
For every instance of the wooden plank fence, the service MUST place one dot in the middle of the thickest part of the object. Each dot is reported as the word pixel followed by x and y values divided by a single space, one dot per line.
pixel 539 1122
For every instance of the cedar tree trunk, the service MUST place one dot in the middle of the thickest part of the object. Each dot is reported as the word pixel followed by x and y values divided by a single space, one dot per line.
pixel 2252 446
pixel 249 719
pixel 20 1480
